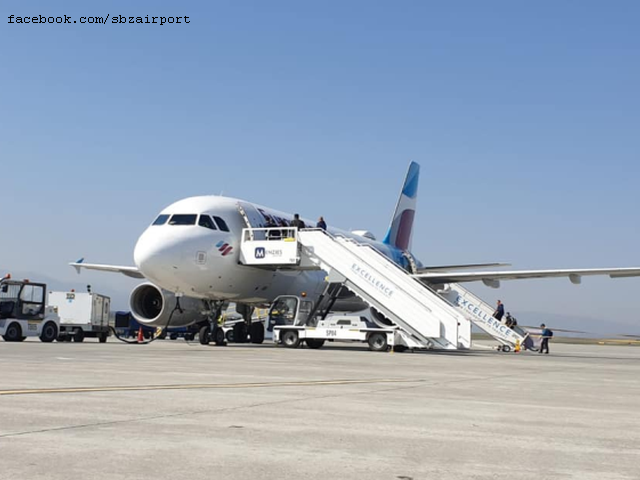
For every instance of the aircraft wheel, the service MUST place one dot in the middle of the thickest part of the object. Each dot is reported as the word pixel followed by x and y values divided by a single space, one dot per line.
pixel 220 337
pixel 314 342
pixel 49 332
pixel 231 338
pixel 203 335
pixel 257 333
pixel 13 333
pixel 290 339
pixel 377 342
pixel 240 332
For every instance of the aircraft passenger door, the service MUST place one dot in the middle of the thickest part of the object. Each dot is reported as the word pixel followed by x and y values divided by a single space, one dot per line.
pixel 252 217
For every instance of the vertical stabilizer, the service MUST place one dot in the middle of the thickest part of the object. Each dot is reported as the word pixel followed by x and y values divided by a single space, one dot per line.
pixel 401 228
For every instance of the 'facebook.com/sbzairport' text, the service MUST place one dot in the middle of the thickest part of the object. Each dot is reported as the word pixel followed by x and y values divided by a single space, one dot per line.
pixel 115 19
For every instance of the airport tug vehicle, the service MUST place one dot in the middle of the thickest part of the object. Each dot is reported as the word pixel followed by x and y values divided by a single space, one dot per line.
pixel 24 312
pixel 292 321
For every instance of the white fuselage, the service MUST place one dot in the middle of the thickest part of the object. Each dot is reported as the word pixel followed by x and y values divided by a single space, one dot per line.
pixel 200 262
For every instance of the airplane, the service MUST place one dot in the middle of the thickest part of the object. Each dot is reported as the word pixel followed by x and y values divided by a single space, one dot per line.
pixel 189 256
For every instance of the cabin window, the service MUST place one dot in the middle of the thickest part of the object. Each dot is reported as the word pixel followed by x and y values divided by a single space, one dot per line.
pixel 183 219
pixel 161 220
pixel 206 222
pixel 222 225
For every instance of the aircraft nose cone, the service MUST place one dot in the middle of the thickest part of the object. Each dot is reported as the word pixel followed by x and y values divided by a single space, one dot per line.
pixel 152 254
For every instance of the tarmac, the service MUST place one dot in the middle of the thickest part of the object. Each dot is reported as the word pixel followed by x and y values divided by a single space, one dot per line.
pixel 177 410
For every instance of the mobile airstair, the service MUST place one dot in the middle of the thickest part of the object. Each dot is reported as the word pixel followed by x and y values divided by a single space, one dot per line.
pixel 419 312
pixel 481 315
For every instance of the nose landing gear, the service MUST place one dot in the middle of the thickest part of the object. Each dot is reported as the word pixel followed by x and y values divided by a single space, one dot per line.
pixel 210 330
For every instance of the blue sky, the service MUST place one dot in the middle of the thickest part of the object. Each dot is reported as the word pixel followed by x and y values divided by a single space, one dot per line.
pixel 523 115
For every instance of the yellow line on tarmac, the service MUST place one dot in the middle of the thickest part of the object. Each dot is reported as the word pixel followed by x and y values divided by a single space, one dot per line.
pixel 199 386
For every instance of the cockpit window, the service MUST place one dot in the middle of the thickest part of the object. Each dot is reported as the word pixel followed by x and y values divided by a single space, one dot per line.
pixel 206 222
pixel 182 219
pixel 222 225
pixel 161 220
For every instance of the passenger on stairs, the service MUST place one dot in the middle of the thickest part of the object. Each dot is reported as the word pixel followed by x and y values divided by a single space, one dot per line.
pixel 499 313
pixel 297 223
pixel 510 321
pixel 273 234
pixel 321 223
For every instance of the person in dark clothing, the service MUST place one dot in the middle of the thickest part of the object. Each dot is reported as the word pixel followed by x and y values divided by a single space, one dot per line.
pixel 297 223
pixel 499 313
pixel 273 234
pixel 321 224
pixel 546 336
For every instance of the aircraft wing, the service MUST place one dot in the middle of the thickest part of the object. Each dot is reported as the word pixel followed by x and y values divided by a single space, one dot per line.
pixel 466 266
pixel 492 279
pixel 132 272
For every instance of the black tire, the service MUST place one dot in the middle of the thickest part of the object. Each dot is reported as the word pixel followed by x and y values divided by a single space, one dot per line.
pixel 13 333
pixel 103 337
pixel 220 337
pixel 257 333
pixel 399 348
pixel 204 335
pixel 240 332
pixel 314 342
pixel 49 332
pixel 377 342
pixel 173 336
pixel 290 338
pixel 188 337
pixel 78 336
pixel 231 338
pixel 506 348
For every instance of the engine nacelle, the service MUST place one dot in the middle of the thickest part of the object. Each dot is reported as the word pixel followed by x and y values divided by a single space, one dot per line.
pixel 152 306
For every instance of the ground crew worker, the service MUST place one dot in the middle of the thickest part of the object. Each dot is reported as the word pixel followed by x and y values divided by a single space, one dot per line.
pixel 297 223
pixel 499 313
pixel 321 224
pixel 546 336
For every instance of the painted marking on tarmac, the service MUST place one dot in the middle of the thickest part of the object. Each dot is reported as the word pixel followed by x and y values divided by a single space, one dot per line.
pixel 202 386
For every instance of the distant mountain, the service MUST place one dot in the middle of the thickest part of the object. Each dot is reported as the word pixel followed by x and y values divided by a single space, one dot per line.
pixel 590 326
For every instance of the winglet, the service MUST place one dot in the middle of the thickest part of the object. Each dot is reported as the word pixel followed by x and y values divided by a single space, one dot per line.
pixel 77 265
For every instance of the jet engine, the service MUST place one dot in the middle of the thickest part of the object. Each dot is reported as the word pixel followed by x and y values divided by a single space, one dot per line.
pixel 152 306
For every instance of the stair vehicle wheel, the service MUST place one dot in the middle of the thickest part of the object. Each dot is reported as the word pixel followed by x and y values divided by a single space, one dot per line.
pixel 314 342
pixel 377 342
pixel 49 332
pixel 13 333
pixel 103 337
pixel 78 336
pixel 290 338
pixel 506 348
pixel 220 337
pixel 257 332
pixel 203 335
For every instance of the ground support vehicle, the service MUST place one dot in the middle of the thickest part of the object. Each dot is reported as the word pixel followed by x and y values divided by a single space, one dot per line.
pixel 24 313
pixel 82 315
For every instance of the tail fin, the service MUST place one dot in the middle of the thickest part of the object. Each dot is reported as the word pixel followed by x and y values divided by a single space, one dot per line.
pixel 399 234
